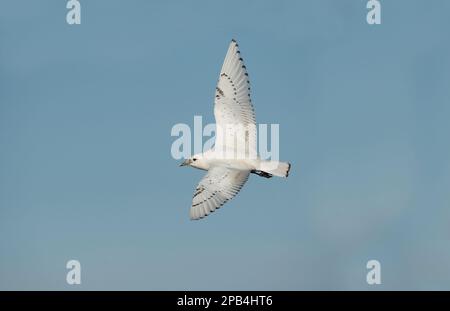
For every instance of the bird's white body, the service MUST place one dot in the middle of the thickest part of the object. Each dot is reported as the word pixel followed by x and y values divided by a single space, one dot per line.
pixel 228 168
pixel 210 158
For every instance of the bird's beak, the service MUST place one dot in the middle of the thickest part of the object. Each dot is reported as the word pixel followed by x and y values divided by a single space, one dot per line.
pixel 186 162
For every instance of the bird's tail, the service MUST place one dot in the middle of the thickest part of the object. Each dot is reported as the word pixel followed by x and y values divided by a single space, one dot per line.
pixel 275 168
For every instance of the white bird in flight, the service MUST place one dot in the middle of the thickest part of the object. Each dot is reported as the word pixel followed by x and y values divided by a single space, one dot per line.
pixel 233 111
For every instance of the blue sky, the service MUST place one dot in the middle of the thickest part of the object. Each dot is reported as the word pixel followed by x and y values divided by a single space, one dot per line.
pixel 86 171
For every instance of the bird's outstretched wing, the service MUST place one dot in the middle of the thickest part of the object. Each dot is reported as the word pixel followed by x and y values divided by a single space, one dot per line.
pixel 233 108
pixel 218 186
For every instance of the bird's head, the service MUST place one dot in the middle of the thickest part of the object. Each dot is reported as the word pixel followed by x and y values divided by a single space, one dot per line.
pixel 196 161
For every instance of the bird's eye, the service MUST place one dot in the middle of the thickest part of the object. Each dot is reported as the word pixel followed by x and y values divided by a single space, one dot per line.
pixel 194 159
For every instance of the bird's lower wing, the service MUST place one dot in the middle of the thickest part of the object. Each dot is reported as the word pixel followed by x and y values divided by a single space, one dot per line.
pixel 218 186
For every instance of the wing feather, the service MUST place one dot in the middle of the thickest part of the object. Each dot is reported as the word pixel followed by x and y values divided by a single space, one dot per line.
pixel 233 109
pixel 218 186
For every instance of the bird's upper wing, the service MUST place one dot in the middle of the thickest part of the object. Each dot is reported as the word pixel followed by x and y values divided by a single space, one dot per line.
pixel 218 186
pixel 233 107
